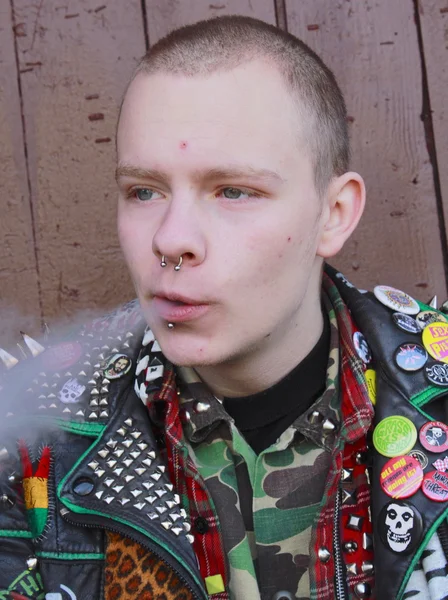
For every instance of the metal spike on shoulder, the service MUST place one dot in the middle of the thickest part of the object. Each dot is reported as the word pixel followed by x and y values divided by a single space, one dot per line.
pixel 8 359
pixel 444 307
pixel 33 346
pixel 433 303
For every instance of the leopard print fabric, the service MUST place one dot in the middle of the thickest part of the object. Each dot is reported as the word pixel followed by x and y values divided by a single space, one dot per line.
pixel 134 573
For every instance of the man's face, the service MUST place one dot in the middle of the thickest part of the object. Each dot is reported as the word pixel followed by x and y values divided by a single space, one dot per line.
pixel 248 240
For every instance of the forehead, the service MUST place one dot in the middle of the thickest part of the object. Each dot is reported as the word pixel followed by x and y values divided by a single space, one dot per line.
pixel 240 112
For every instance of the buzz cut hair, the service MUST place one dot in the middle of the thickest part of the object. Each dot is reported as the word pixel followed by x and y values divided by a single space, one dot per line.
pixel 223 43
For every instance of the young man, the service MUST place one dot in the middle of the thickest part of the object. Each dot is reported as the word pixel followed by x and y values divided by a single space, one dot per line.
pixel 234 459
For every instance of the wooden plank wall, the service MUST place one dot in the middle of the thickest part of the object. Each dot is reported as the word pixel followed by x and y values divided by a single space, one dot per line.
pixel 63 67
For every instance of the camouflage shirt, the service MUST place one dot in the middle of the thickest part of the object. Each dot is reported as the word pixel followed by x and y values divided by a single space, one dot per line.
pixel 266 503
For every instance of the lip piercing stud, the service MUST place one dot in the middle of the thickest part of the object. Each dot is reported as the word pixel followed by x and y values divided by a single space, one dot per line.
pixel 177 267
pixel 170 325
pixel 163 263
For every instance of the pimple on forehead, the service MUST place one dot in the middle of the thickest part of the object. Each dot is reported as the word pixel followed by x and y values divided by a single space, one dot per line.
pixel 183 145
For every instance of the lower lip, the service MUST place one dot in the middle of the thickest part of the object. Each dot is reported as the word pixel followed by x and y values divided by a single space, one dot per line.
pixel 172 312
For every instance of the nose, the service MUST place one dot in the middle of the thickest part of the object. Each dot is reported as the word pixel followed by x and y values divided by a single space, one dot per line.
pixel 179 240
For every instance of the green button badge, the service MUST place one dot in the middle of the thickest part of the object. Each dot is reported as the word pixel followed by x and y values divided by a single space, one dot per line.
pixel 394 436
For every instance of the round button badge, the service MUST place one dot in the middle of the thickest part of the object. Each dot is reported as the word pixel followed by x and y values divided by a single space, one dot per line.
pixel 394 436
pixel 435 486
pixel 411 357
pixel 437 374
pixel 426 317
pixel 434 436
pixel 420 456
pixel 117 366
pixel 400 526
pixel 370 376
pixel 396 299
pixel 62 356
pixel 435 340
pixel 406 323
pixel 362 347
pixel 401 477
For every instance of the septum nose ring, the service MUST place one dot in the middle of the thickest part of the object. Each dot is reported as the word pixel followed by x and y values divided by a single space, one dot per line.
pixel 176 268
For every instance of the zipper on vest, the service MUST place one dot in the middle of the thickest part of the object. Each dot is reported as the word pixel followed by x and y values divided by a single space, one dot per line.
pixel 339 579
pixel 142 541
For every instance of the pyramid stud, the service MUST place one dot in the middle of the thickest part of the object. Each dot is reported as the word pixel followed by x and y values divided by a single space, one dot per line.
pixel 109 481
pixel 111 443
pixel 140 471
pixel 127 443
pixel 176 530
pixel 129 478
pixel 99 494
pixel 118 488
pixel 347 475
pixel 160 492
pixel 367 567
pixel 103 453
pixel 136 493
pixel 348 497
pixel 140 505
pixel 99 472
pixel 93 416
pixel 367 541
pixel 111 463
pixel 118 452
pixel 147 462
pixel 109 499
pixel 151 454
pixel 170 503
pixel 93 465
pixel 122 431
pixel 142 446
pixel 135 454
pixel 104 414
pixel 136 434
pixel 128 462
pixel 147 484
pixel 351 568
pixel 355 522
pixel 152 515
pixel 124 501
pixel 169 487
pixel 174 516
pixel 151 499
pixel 161 509
pixel 167 524
pixel 156 476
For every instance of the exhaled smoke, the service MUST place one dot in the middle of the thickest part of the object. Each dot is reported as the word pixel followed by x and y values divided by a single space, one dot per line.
pixel 43 378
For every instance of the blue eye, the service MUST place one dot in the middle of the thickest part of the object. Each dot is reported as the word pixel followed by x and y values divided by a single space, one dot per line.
pixel 144 194
pixel 232 193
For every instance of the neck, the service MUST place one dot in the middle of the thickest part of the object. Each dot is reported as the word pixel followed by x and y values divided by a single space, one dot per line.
pixel 266 365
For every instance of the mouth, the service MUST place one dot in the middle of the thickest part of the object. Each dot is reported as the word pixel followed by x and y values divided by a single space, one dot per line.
pixel 175 308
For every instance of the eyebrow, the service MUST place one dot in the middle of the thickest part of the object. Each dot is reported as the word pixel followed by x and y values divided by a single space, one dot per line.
pixel 227 172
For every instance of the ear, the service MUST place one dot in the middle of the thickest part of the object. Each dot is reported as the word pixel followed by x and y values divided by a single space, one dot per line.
pixel 346 197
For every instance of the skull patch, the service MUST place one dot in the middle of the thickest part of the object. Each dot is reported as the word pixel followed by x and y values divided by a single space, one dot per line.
pixel 71 391
pixel 400 526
